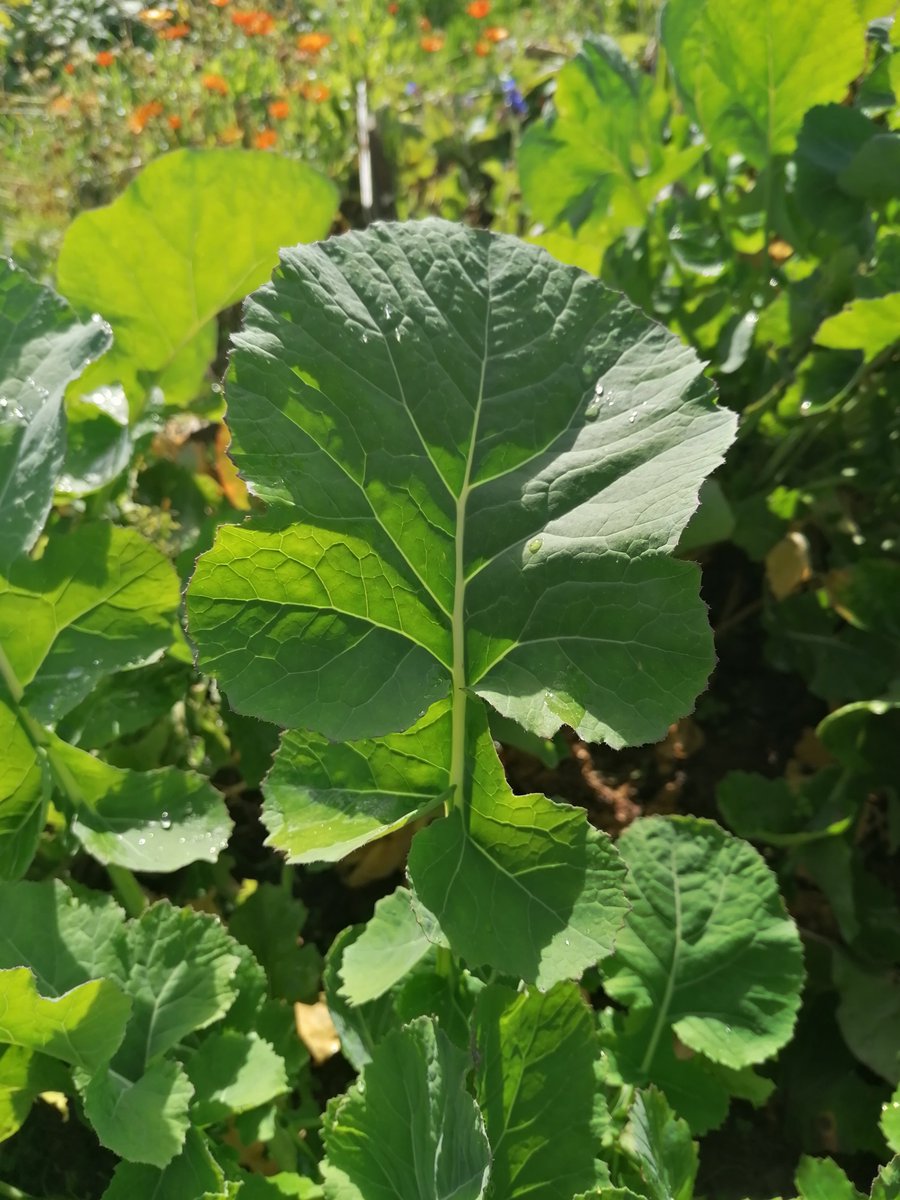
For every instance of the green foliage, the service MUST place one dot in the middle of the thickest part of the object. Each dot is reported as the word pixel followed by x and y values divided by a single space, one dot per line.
pixel 456 556
pixel 190 236
pixel 397 578
pixel 44 349
pixel 412 1130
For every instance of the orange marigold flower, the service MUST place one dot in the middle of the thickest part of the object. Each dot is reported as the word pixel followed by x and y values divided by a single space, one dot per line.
pixel 69 68
pixel 496 33
pixel 432 44
pixel 317 92
pixel 393 9
pixel 254 23
pixel 279 109
pixel 482 49
pixel 175 31
pixel 105 58
pixel 313 43
pixel 265 139
pixel 60 105
pixel 174 122
pixel 219 3
pixel 215 83
pixel 479 8
pixel 143 114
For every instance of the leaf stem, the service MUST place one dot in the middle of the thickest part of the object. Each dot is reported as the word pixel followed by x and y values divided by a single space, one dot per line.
pixel 128 890
pixel 459 692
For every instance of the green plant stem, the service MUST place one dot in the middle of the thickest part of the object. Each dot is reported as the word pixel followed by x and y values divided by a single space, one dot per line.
pixel 458 674
pixel 128 890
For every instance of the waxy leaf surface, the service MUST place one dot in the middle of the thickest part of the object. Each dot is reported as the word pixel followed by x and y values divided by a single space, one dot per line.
pixel 412 1132
pixel 472 452
pixel 535 1086
pixel 83 1026
pixel 708 953
pixel 476 461
pixel 44 347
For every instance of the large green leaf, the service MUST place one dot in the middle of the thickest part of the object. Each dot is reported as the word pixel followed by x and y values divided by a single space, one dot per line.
pixel 708 953
pixel 869 1015
pixel 269 921
pixel 477 461
pixel 231 1073
pixel 65 940
pixel 99 599
pixel 412 1131
pixel 519 882
pixel 192 234
pixel 143 1120
pixel 144 820
pixel 535 1086
pixel 83 1026
pixel 44 348
pixel 870 325
pixel 751 71
pixel 663 1156
pixel 823 1179
pixel 24 1074
pixel 595 165
pixel 393 942
pixel 193 1173
pixel 178 966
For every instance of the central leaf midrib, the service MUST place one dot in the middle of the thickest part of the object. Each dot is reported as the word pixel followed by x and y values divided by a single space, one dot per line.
pixel 458 680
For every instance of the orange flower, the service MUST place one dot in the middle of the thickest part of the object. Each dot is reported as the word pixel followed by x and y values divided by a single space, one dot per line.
pixel 313 43
pixel 142 115
pixel 496 33
pixel 279 109
pixel 69 68
pixel 174 122
pixel 393 9
pixel 424 24
pixel 254 22
pixel 479 8
pixel 60 105
pixel 219 3
pixel 105 58
pixel 431 45
pixel 265 139
pixel 482 49
pixel 175 31
pixel 215 83
pixel 317 92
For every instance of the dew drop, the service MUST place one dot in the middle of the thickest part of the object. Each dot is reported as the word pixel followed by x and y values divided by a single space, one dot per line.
pixel 534 545
pixel 165 821
pixel 365 338
pixel 805 406
pixel 3 402
pixel 387 312
pixel 142 841
pixel 631 418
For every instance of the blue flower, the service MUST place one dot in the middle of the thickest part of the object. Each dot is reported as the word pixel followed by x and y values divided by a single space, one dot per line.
pixel 512 97
pixel 411 89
